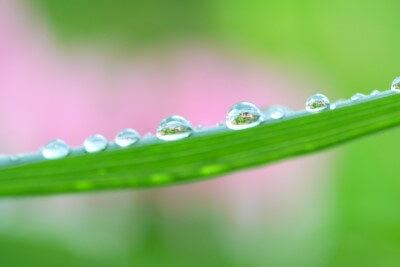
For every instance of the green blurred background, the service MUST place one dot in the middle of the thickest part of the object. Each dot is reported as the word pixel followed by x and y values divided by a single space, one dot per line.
pixel 345 46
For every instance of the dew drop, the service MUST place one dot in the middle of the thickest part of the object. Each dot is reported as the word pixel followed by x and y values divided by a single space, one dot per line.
pixel 276 112
pixel 317 102
pixel 127 138
pixel 56 149
pixel 357 96
pixel 95 143
pixel 243 115
pixel 174 128
pixel 396 85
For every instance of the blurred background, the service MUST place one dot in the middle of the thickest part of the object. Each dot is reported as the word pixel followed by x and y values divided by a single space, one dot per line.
pixel 69 69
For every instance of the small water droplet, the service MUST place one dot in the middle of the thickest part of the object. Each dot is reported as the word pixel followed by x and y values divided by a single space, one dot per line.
pixel 317 102
pixel 243 115
pixel 396 85
pixel 276 112
pixel 357 96
pixel 174 128
pixel 375 92
pixel 56 149
pixel 127 138
pixel 95 143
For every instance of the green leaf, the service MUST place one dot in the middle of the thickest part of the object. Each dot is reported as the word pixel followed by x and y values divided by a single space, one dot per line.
pixel 201 157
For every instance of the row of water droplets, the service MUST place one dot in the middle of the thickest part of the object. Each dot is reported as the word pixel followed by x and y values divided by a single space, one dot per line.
pixel 240 116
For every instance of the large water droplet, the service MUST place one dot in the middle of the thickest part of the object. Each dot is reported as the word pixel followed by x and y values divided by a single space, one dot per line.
pixel 127 138
pixel 174 128
pixel 358 96
pixel 317 102
pixel 396 85
pixel 95 143
pixel 56 149
pixel 243 115
pixel 277 112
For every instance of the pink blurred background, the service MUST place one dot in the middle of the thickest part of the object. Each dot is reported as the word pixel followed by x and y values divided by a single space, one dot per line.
pixel 50 91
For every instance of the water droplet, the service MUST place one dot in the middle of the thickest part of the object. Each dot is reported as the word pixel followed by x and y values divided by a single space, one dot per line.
pixel 375 92
pixel 243 115
pixel 276 112
pixel 317 102
pixel 174 128
pixel 127 138
pixel 56 149
pixel 396 85
pixel 357 96
pixel 95 143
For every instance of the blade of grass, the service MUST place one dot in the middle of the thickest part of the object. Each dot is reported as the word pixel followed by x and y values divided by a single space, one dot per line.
pixel 201 157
